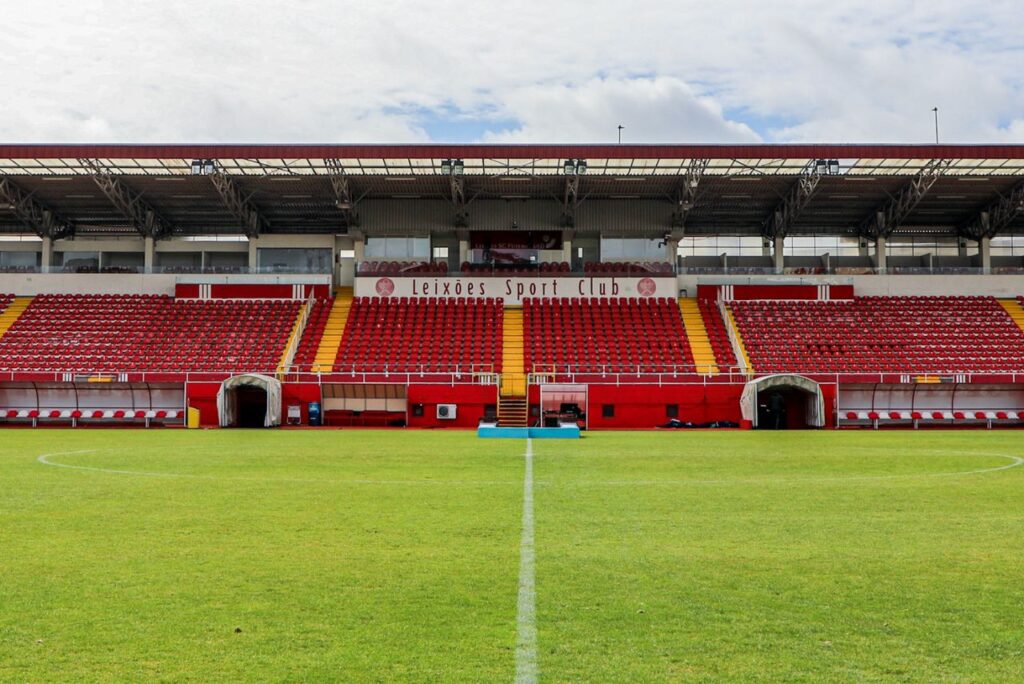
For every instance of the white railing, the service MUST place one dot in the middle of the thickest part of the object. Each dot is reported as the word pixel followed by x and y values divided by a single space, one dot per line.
pixel 564 373
pixel 734 336
pixel 296 338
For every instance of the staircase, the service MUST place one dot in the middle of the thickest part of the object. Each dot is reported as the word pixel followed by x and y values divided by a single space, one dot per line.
pixel 334 330
pixel 12 313
pixel 1013 309
pixel 513 409
pixel 697 334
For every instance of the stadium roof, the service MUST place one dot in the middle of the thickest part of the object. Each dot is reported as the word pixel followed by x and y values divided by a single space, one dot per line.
pixel 746 189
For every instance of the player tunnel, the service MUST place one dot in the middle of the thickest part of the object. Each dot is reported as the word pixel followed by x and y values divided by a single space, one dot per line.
pixel 783 402
pixel 250 400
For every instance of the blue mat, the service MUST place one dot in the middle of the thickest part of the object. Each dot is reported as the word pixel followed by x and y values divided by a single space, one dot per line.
pixel 571 432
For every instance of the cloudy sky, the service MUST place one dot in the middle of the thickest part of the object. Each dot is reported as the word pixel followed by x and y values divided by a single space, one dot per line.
pixel 390 71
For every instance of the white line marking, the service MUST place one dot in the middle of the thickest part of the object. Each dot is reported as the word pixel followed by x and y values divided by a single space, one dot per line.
pixel 45 460
pixel 1016 461
pixel 526 609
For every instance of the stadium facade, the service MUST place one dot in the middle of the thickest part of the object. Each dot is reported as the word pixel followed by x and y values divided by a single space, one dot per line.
pixel 435 285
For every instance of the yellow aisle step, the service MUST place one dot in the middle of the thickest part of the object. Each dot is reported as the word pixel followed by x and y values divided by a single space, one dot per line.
pixel 697 335
pixel 13 312
pixel 334 331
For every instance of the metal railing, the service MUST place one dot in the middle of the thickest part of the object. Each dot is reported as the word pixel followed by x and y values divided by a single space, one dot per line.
pixel 562 373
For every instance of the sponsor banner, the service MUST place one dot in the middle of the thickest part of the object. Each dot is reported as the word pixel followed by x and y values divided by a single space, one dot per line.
pixel 512 289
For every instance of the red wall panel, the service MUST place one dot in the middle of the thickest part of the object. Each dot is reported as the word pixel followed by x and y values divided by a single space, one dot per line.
pixel 186 290
pixel 775 292
pixel 203 396
pixel 643 406
pixel 840 291
pixel 707 292
pixel 256 291
pixel 318 291
pixel 470 400
pixel 301 394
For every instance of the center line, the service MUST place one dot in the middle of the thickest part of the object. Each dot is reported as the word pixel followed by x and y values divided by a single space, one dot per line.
pixel 526 615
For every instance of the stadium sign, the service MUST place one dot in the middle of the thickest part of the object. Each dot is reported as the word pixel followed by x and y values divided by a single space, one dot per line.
pixel 513 290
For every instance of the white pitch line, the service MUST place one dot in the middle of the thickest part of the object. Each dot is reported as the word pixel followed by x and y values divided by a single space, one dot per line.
pixel 526 610
pixel 45 460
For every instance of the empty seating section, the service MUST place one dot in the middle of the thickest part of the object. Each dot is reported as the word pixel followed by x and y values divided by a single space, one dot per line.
pixel 605 336
pixel 547 268
pixel 119 333
pixel 400 268
pixel 627 268
pixel 715 326
pixel 310 342
pixel 430 335
pixel 880 334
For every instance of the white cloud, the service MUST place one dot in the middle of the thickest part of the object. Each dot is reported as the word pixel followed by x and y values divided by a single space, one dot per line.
pixel 651 109
pixel 261 70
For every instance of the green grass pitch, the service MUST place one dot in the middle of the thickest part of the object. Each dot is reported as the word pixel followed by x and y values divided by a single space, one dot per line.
pixel 311 556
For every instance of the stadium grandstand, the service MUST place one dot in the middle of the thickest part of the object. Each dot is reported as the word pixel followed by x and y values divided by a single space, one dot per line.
pixel 616 286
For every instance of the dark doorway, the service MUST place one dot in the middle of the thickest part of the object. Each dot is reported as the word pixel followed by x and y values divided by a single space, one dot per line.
pixel 782 408
pixel 252 406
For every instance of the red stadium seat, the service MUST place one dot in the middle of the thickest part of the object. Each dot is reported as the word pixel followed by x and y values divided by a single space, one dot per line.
pixel 120 333
pixel 910 335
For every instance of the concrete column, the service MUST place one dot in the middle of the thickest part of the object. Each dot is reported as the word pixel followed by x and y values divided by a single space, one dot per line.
pixel 985 252
pixel 359 247
pixel 254 245
pixel 149 254
pixel 880 253
pixel 463 252
pixel 780 244
pixel 567 251
pixel 46 260
pixel 671 251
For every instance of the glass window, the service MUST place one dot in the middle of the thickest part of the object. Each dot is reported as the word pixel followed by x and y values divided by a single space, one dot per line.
pixel 1004 245
pixel 631 249
pixel 397 248
pixel 294 260
pixel 440 252
pixel 817 245
pixel 225 262
pixel 920 246
pixel 716 245
pixel 79 262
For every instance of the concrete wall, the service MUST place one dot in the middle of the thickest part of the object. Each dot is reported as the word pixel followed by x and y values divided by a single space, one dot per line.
pixel 879 285
pixel 128 283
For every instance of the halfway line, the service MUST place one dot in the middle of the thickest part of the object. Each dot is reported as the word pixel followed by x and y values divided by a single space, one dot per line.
pixel 526 614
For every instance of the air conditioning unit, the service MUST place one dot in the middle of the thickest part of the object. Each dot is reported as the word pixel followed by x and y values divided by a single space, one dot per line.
pixel 446 411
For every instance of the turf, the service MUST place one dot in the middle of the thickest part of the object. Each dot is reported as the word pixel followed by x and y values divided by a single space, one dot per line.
pixel 364 555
